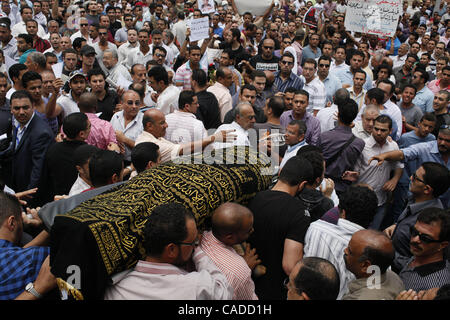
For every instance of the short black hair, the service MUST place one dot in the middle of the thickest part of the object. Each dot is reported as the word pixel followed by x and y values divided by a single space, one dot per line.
pixel 360 204
pixel 14 70
pixel 434 214
pixel 95 72
pixel 377 94
pixel 159 73
pixel 347 111
pixel 383 118
pixel 295 171
pixel 74 123
pixel 10 207
pixel 437 176
pixel 199 75
pixel 185 97
pixel 317 278
pixel 20 94
pixel 28 39
pixel 166 225
pixel 142 153
pixel 83 153
pixel 317 161
pixel 103 165
pixel 30 76
pixel 276 104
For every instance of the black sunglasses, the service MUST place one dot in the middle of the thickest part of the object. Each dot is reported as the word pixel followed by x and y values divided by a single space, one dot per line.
pixel 423 237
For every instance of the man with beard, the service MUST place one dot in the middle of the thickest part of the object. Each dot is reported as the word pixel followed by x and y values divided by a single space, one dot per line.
pixel 346 75
pixel 107 99
pixel 170 242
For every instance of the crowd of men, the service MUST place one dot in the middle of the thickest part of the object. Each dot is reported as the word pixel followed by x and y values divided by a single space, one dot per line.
pixel 357 127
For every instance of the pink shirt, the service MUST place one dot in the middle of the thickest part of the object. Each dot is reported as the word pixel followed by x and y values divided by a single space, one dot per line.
pixel 232 265
pixel 102 132
pixel 434 86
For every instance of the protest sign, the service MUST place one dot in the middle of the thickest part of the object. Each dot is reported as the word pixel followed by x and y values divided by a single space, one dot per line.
pixel 199 29
pixel 311 17
pixel 206 6
pixel 379 17
pixel 58 69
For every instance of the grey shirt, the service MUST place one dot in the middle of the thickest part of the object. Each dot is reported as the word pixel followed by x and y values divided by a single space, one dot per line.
pixel 412 115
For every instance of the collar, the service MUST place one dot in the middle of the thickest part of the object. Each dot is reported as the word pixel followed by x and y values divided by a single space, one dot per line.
pixel 296 145
pixel 184 114
pixel 416 207
pixel 157 268
pixel 427 269
pixel 6 244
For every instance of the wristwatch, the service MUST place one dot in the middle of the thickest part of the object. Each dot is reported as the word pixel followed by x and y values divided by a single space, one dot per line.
pixel 30 288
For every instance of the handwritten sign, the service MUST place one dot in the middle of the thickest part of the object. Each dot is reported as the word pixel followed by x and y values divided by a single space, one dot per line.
pixel 199 29
pixel 379 17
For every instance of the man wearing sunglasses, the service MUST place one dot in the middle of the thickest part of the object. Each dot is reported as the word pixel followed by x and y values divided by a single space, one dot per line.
pixel 428 182
pixel 171 241
pixel 430 235
pixel 83 31
pixel 285 78
pixel 121 34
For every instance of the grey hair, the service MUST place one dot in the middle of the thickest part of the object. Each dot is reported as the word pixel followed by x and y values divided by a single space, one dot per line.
pixel 370 107
pixel 39 59
pixel 113 52
pixel 240 106
pixel 169 34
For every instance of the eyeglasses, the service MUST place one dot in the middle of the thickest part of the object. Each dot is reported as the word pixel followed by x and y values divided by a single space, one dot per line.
pixel 194 244
pixel 103 33
pixel 4 25
pixel 274 30
pixel 268 48
pixel 324 65
pixel 159 55
pixel 83 24
pixel 128 20
pixel 287 62
pixel 423 237
pixel 414 176
pixel 287 42
pixel 444 126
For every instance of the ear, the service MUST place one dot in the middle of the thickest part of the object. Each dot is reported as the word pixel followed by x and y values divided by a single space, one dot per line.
pixel 10 223
pixel 114 178
pixel 364 266
pixel 342 213
pixel 301 186
pixel 150 164
pixel 171 250
pixel 443 245
pixel 79 169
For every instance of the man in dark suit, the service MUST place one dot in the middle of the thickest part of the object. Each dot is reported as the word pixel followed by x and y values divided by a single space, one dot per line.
pixel 31 138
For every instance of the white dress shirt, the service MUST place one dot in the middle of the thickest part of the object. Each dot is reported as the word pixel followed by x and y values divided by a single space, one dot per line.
pixel 168 99
pixel 241 136
pixel 223 96
pixel 184 127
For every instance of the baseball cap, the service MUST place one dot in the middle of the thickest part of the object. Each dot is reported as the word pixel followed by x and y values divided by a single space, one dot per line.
pixel 87 49
pixel 76 73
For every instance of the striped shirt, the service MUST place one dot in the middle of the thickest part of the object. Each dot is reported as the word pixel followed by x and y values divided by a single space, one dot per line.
pixel 328 241
pixel 232 265
pixel 432 275
pixel 183 76
pixel 317 94
pixel 293 81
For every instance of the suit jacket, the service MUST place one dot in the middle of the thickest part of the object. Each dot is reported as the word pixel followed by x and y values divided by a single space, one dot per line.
pixel 28 157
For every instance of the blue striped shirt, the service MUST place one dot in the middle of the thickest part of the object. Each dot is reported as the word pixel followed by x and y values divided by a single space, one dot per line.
pixel 18 267
pixel 293 81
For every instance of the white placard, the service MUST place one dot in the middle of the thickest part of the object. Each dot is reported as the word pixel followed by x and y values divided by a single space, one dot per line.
pixel 199 29
pixel 58 69
pixel 122 82
pixel 256 7
pixel 212 54
pixel 379 17
pixel 206 6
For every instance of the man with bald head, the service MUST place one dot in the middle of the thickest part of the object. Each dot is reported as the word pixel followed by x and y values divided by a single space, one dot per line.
pixel 363 128
pixel 127 123
pixel 368 256
pixel 243 121
pixel 232 224
pixel 102 133
pixel 155 126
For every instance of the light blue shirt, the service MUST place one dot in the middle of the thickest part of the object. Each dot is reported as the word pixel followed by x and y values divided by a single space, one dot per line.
pixel 332 84
pixel 346 77
pixel 424 100
pixel 308 53
pixel 406 140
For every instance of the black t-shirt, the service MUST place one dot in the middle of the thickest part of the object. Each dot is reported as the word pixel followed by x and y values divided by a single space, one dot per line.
pixel 259 63
pixel 208 110
pixel 107 105
pixel 277 216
